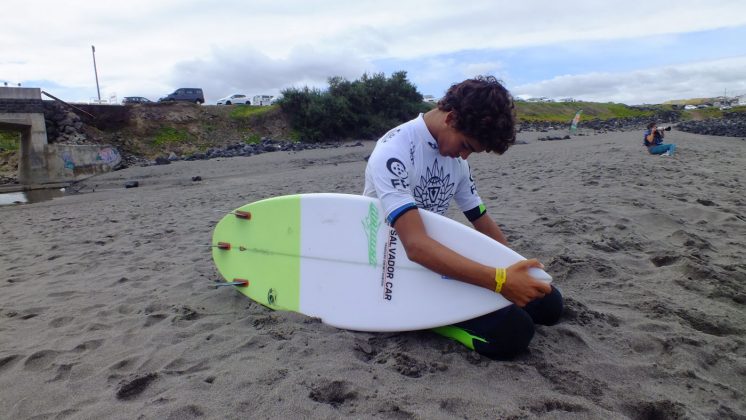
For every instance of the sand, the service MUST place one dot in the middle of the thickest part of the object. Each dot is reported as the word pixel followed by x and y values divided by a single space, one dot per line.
pixel 106 309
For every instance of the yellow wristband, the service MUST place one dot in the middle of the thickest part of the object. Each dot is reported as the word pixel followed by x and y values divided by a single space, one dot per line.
pixel 500 276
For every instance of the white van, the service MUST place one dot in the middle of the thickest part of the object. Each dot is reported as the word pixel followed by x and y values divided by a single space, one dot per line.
pixel 262 100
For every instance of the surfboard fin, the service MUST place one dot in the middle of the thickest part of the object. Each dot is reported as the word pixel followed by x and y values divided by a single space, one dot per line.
pixel 238 213
pixel 235 282
pixel 242 214
pixel 458 334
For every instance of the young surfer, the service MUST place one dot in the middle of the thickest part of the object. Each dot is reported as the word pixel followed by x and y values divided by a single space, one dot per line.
pixel 421 164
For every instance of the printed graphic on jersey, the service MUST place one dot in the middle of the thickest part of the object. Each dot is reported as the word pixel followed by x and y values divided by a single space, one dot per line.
pixel 390 134
pixel 473 185
pixel 435 190
pixel 397 168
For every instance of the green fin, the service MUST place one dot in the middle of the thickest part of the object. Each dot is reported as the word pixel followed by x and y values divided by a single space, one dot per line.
pixel 458 334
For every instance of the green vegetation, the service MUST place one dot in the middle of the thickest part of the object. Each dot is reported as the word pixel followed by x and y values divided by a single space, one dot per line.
pixel 252 138
pixel 702 114
pixel 167 135
pixel 690 101
pixel 363 109
pixel 565 111
pixel 10 140
pixel 241 112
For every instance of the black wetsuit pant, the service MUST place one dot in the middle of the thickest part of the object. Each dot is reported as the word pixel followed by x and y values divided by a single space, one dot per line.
pixel 505 333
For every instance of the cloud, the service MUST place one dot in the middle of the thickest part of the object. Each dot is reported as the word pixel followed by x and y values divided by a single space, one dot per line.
pixel 149 48
pixel 655 85
pixel 247 70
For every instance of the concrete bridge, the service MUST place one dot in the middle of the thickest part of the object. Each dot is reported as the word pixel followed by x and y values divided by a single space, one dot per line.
pixel 22 110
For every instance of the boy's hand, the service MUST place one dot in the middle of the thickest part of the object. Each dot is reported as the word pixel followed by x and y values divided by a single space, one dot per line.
pixel 520 288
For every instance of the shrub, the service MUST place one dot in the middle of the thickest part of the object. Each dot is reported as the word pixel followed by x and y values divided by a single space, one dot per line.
pixel 364 108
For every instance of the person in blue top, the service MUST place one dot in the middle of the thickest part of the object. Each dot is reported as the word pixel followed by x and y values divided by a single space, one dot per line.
pixel 422 165
pixel 653 140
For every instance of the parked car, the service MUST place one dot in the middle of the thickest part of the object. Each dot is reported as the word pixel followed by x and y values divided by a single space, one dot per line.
pixel 262 100
pixel 690 107
pixel 129 100
pixel 725 107
pixel 236 98
pixel 185 94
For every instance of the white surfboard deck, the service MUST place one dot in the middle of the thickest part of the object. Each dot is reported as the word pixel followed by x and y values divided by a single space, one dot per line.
pixel 332 256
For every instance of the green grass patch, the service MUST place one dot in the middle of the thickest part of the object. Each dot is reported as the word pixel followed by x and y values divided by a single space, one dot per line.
pixel 295 136
pixel 565 111
pixel 168 135
pixel 702 114
pixel 10 140
pixel 241 112
pixel 252 138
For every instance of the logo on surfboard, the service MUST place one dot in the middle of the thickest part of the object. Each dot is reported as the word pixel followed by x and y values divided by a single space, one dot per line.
pixel 389 265
pixel 370 227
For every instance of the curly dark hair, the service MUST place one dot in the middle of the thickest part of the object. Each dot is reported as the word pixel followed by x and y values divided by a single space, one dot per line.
pixel 484 110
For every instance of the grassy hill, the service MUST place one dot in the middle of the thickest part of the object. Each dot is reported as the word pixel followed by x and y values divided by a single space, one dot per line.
pixel 565 111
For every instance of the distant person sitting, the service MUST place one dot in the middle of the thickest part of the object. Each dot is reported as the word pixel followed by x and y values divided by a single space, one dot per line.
pixel 653 140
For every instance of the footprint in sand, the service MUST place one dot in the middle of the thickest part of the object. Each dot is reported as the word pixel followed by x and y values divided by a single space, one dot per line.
pixel 40 360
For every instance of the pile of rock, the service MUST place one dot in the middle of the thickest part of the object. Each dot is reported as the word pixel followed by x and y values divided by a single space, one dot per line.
pixel 63 125
pixel 731 125
pixel 266 145
pixel 553 138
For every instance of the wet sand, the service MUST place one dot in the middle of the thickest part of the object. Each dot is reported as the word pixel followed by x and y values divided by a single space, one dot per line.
pixel 106 309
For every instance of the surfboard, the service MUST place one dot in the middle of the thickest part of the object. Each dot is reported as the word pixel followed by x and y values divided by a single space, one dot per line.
pixel 332 256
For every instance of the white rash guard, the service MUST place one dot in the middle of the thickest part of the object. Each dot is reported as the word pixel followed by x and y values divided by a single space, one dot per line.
pixel 406 170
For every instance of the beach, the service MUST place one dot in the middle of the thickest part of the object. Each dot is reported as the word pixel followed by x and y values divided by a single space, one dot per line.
pixel 107 309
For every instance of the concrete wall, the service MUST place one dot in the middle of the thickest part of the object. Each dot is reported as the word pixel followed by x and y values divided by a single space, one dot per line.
pixel 68 162
pixel 20 93
pixel 21 109
pixel 33 140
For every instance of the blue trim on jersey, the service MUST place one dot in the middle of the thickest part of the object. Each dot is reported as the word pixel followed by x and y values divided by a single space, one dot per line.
pixel 398 212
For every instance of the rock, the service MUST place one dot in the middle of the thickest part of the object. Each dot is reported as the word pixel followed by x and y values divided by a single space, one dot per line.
pixel 731 125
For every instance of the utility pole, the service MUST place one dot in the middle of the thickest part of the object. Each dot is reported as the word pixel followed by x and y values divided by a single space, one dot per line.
pixel 93 51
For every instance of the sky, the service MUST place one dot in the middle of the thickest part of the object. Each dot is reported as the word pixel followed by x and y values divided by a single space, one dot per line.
pixel 631 51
